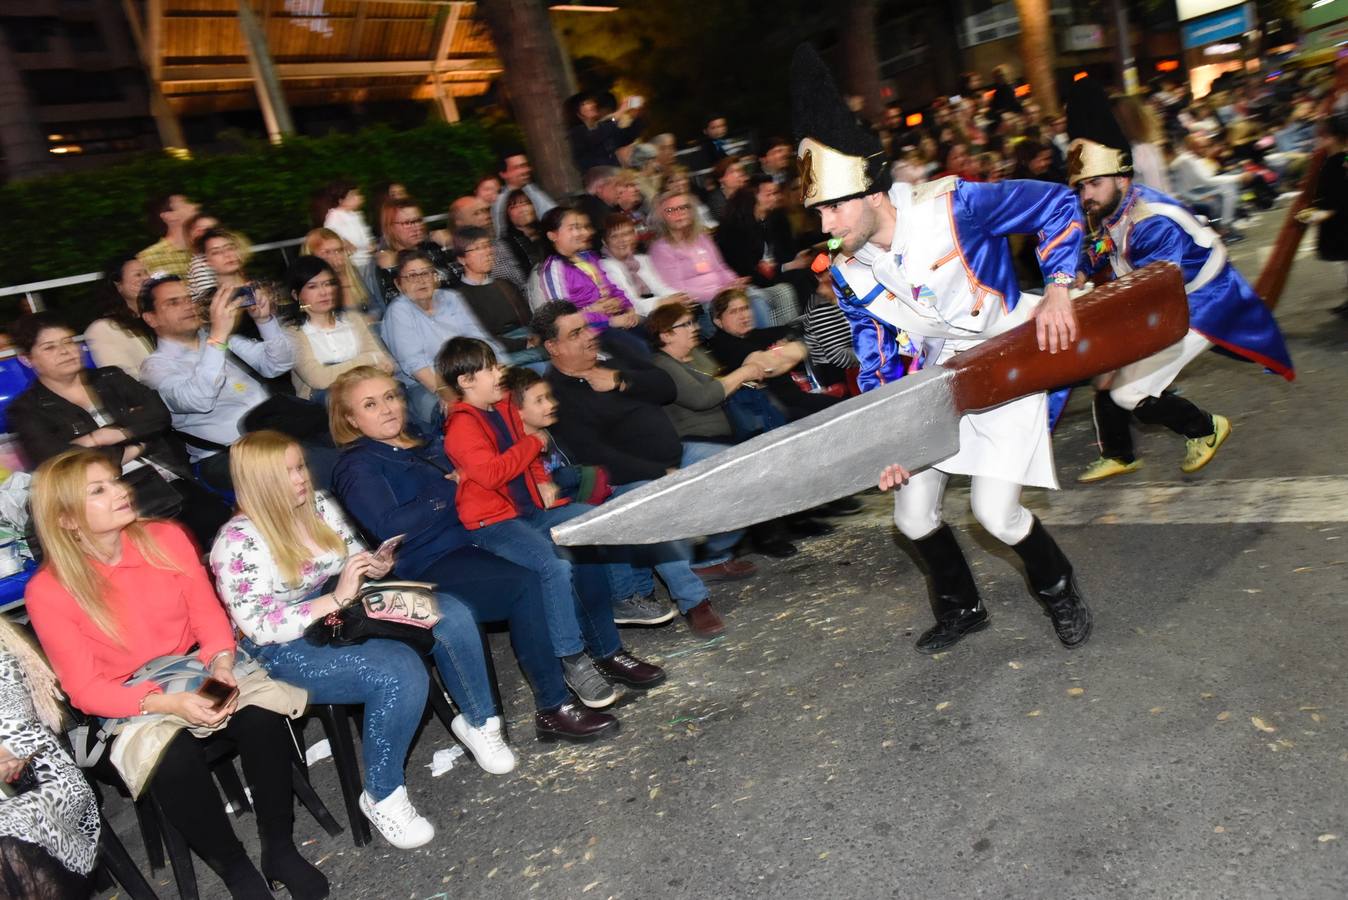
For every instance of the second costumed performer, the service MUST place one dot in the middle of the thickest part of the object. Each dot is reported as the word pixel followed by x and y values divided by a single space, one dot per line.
pixel 924 272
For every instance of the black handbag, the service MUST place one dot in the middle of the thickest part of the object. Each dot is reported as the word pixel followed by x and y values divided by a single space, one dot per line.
pixel 394 610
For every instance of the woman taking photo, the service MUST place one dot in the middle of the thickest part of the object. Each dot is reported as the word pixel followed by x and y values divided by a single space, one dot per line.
pixel 119 338
pixel 327 340
pixel 70 407
pixel 289 559
pixel 115 594
pixel 392 482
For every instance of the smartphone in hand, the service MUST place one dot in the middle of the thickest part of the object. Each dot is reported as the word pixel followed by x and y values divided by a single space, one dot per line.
pixel 388 548
pixel 216 691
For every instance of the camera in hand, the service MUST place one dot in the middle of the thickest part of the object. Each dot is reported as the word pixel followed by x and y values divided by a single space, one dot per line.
pixel 246 296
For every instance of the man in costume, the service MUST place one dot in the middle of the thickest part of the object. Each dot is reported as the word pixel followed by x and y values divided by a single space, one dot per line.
pixel 924 272
pixel 1133 225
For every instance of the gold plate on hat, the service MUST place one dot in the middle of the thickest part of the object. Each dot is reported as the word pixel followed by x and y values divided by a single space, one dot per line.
pixel 827 175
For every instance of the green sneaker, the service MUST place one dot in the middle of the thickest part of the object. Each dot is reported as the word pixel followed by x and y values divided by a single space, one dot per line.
pixel 1105 467
pixel 1200 451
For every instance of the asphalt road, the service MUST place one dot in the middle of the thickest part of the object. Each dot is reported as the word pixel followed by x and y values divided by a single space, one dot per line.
pixel 1196 747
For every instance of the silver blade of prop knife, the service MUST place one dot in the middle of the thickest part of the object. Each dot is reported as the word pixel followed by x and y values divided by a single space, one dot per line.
pixel 828 455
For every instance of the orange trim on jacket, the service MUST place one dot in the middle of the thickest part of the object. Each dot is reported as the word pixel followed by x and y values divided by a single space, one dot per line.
pixel 486 470
pixel 980 290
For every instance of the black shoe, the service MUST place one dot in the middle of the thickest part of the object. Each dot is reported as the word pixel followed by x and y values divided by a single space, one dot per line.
pixel 626 669
pixel 285 867
pixel 954 596
pixel 807 528
pixel 573 722
pixel 950 631
pixel 244 881
pixel 1071 616
pixel 1051 576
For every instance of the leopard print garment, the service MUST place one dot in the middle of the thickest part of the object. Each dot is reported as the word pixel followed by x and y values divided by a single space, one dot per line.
pixel 60 815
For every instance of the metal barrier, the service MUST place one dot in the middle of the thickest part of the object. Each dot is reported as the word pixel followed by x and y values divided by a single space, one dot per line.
pixel 32 291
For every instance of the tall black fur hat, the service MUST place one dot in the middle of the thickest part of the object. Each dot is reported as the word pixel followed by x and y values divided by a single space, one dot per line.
pixel 839 158
pixel 1098 146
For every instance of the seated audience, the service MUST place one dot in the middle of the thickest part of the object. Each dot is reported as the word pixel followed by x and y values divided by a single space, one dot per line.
pixel 728 176
pixel 599 201
pixel 574 273
pixel 418 322
pixel 289 559
pixel 736 339
pixel 632 272
pixel 517 176
pixel 508 504
pixel 207 376
pixel 633 205
pixel 522 233
pixel 473 212
pixel 687 259
pixel 116 593
pixel 487 189
pixel 328 341
pixel 755 240
pixel 330 247
pixel 225 258
pixel 119 337
pixel 49 833
pixel 405 229
pixel 70 407
pixel 200 275
pixel 172 253
pixel 497 303
pixel 395 483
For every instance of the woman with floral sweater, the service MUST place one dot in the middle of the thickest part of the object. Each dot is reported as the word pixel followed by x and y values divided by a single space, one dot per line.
pixel 275 564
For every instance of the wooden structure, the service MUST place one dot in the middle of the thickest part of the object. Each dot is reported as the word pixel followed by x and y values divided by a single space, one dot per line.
pixel 203 56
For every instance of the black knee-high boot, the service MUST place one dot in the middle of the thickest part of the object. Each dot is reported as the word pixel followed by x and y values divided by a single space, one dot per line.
pixel 1051 576
pixel 954 596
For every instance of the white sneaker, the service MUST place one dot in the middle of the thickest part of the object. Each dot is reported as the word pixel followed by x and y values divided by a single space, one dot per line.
pixel 487 744
pixel 397 820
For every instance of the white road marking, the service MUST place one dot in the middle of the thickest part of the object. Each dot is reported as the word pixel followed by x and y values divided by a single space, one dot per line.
pixel 1206 502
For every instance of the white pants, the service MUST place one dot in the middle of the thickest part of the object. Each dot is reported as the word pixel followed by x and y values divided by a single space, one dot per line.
pixel 1149 377
pixel 996 505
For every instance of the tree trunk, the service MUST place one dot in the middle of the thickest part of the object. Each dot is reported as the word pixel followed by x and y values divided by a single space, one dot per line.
pixel 860 61
pixel 534 77
pixel 1036 49
pixel 21 137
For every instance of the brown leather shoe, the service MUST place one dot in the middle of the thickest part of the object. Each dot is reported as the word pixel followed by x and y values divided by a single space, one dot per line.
pixel 704 621
pixel 625 668
pixel 573 722
pixel 730 570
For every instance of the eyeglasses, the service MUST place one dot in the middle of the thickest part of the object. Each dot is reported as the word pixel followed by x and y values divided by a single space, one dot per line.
pixel 418 276
pixel 477 248
pixel 683 207
pixel 689 324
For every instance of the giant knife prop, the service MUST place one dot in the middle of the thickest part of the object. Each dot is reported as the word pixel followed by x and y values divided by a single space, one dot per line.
pixel 913 422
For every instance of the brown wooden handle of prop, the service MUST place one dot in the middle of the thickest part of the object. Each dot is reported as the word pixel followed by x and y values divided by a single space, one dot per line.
pixel 1118 323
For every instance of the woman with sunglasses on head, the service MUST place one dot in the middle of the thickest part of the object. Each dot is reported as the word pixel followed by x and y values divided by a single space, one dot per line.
pixel 327 340
pixel 116 594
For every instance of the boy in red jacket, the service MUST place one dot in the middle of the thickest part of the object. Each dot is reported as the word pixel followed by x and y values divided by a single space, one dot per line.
pixel 509 504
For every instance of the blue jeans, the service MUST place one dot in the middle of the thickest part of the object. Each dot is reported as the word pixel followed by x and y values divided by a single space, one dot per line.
pixel 458 654
pixel 423 408
pixel 576 595
pixel 387 678
pixel 495 590
pixel 672 561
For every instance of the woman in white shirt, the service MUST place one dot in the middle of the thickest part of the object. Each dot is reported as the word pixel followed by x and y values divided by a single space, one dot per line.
pixel 337 207
pixel 327 340
pixel 632 272
pixel 119 338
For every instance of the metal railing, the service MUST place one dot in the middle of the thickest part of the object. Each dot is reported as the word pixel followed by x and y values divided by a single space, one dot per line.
pixel 32 291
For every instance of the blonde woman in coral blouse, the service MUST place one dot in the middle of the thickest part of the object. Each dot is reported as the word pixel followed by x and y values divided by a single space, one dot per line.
pixel 116 593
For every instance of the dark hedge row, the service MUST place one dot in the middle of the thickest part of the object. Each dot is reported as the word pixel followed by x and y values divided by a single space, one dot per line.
pixel 69 224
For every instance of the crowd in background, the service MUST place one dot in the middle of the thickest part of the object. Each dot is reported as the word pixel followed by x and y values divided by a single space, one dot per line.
pixel 461 390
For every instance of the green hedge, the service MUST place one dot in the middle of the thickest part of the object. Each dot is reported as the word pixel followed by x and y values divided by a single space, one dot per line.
pixel 69 224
